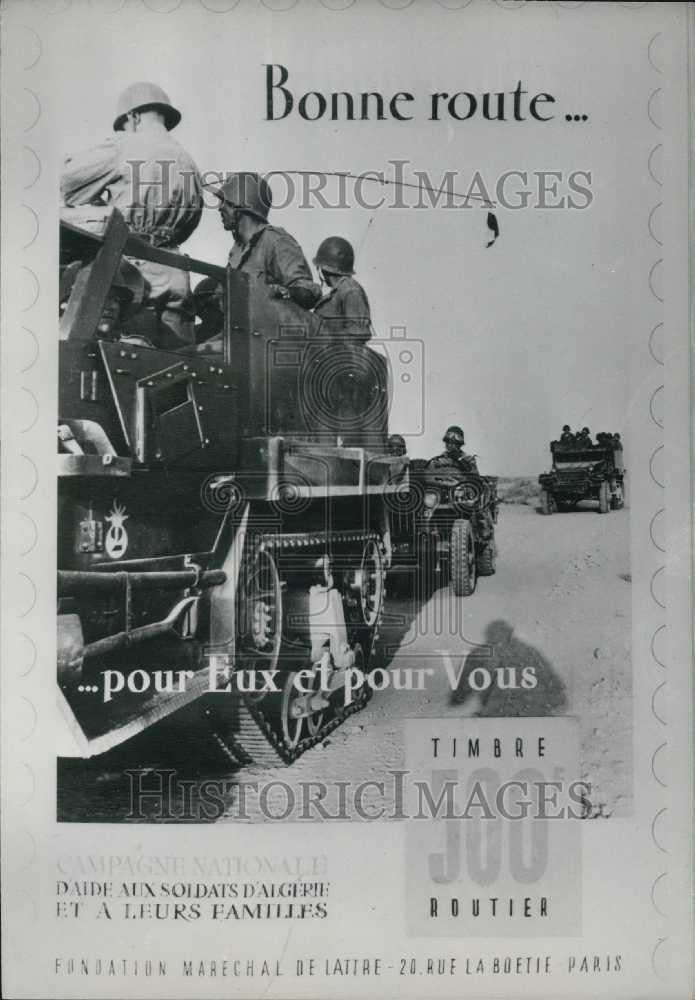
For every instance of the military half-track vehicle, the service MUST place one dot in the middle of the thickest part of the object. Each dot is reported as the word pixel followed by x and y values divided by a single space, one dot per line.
pixel 583 472
pixel 222 519
pixel 449 529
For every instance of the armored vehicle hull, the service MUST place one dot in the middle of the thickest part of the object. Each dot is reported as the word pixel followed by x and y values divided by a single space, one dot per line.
pixel 220 541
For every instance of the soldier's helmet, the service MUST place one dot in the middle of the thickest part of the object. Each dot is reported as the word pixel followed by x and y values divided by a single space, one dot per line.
pixel 336 256
pixel 248 192
pixel 565 428
pixel 207 291
pixel 454 435
pixel 145 96
pixel 585 430
pixel 396 444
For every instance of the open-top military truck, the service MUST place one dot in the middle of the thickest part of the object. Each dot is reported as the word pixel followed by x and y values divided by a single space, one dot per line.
pixel 218 531
pixel 583 472
pixel 449 529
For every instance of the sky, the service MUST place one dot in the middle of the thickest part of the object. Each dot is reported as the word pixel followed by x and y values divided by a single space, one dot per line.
pixel 538 330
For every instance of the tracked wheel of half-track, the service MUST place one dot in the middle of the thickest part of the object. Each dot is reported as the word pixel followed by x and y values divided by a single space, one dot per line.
pixel 260 729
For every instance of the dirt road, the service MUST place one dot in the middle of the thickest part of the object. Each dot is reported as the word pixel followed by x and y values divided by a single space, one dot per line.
pixel 558 607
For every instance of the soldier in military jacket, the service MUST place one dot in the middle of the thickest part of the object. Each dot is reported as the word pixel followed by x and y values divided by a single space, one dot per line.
pixel 343 310
pixel 267 253
pixel 453 453
pixel 152 180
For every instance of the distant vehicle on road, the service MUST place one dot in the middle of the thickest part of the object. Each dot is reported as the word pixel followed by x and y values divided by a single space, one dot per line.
pixel 588 472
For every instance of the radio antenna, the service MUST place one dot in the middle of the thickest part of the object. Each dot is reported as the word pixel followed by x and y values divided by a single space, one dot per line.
pixel 492 223
pixel 386 181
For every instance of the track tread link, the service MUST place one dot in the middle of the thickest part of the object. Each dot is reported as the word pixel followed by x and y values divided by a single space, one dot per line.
pixel 256 740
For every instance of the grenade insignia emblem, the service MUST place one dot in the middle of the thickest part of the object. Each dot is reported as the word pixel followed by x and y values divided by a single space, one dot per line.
pixel 116 541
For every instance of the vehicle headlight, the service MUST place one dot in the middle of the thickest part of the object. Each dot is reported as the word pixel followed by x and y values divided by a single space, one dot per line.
pixel 431 498
pixel 465 495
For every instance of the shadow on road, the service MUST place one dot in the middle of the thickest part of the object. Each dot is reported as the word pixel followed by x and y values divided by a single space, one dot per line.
pixel 537 690
pixel 407 595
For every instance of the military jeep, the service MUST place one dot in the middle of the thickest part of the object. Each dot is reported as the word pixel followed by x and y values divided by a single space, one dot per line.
pixel 586 472
pixel 455 519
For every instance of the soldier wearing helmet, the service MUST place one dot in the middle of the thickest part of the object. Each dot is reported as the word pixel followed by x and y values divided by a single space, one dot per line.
pixel 265 252
pixel 453 453
pixel 143 172
pixel 396 445
pixel 584 438
pixel 567 437
pixel 344 309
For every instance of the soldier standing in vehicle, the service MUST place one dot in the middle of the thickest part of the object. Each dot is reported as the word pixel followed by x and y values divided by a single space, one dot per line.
pixel 453 453
pixel 567 437
pixel 151 179
pixel 265 252
pixel 344 310
pixel 584 438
